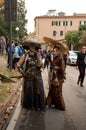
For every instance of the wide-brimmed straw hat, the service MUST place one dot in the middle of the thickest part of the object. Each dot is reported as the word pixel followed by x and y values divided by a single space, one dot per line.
pixel 54 43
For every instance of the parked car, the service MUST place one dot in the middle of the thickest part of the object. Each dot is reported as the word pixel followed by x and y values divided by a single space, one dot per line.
pixel 76 52
pixel 72 57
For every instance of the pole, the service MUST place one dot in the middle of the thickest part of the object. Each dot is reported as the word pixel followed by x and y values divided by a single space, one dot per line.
pixel 10 22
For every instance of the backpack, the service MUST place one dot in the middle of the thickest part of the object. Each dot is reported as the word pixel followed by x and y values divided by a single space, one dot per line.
pixel 20 51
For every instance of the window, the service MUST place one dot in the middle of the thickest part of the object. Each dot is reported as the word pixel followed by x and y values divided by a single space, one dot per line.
pixel 54 33
pixel 66 23
pixel 70 23
pixel 84 22
pixel 56 23
pixel 61 33
pixel 59 23
pixel 53 23
pixel 81 22
pixel 63 23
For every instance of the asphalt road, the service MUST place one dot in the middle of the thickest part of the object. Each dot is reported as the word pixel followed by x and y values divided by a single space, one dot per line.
pixel 74 118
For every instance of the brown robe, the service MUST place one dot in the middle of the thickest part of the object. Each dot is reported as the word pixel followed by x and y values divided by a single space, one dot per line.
pixel 57 76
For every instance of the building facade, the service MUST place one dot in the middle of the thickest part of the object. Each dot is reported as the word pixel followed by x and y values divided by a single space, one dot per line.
pixel 56 27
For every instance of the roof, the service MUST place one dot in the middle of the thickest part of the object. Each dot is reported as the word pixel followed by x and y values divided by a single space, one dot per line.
pixel 65 16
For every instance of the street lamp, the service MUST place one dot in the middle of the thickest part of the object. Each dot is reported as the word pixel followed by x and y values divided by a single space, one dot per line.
pixel 17 29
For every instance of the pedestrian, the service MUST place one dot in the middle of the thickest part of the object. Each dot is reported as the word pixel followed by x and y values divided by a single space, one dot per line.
pixel 48 57
pixel 81 65
pixel 10 53
pixel 17 54
pixel 57 76
pixel 33 96
pixel 2 45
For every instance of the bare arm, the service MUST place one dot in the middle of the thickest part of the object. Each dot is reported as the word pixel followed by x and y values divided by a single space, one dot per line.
pixel 21 60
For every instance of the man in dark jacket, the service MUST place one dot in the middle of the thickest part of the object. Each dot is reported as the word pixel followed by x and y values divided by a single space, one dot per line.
pixel 81 65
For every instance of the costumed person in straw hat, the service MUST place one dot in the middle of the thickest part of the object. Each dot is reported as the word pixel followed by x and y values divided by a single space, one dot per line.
pixel 57 76
pixel 33 91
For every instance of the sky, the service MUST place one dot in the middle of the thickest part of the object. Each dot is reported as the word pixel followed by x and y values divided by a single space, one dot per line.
pixel 41 7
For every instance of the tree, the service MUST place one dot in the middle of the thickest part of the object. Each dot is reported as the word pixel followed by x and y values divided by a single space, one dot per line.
pixel 84 38
pixel 82 28
pixel 21 21
pixel 82 34
pixel 3 28
pixel 3 24
pixel 72 39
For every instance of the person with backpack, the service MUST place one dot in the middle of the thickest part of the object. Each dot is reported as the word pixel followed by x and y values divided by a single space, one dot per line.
pixel 17 54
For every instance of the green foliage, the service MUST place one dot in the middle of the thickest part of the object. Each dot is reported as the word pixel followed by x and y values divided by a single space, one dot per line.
pixel 3 24
pixel 72 38
pixel 3 28
pixel 82 28
pixel 21 23
pixel 76 38
pixel 82 34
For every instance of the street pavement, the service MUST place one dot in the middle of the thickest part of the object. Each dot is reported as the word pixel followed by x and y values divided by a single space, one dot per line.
pixel 73 118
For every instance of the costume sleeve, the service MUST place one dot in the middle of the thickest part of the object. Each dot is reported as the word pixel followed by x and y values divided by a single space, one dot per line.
pixel 39 59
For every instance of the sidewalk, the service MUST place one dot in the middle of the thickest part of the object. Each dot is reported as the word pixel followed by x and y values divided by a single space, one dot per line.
pixel 19 110
pixel 3 62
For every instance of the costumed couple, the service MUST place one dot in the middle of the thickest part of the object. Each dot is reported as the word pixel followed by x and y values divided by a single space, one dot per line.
pixel 33 96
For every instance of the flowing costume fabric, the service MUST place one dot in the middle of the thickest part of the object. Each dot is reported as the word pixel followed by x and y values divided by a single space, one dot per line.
pixel 56 77
pixel 33 90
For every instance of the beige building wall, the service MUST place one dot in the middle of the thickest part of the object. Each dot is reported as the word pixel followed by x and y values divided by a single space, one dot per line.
pixel 44 27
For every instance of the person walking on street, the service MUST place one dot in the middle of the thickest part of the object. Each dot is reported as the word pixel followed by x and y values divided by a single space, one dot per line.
pixel 48 57
pixel 33 96
pixel 57 76
pixel 81 65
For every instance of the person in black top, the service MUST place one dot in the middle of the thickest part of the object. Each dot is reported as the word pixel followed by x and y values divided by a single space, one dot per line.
pixel 48 57
pixel 33 96
pixel 81 65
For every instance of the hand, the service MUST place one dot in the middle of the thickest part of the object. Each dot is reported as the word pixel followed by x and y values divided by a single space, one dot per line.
pixel 16 69
pixel 77 67
pixel 56 67
pixel 31 63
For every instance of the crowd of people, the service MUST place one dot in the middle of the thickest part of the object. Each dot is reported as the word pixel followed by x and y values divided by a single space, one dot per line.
pixel 13 50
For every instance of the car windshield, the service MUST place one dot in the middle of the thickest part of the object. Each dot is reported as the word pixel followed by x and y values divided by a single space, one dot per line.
pixel 77 52
pixel 73 54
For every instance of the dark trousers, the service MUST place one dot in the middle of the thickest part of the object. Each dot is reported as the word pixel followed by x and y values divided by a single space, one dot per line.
pixel 81 74
pixel 15 60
